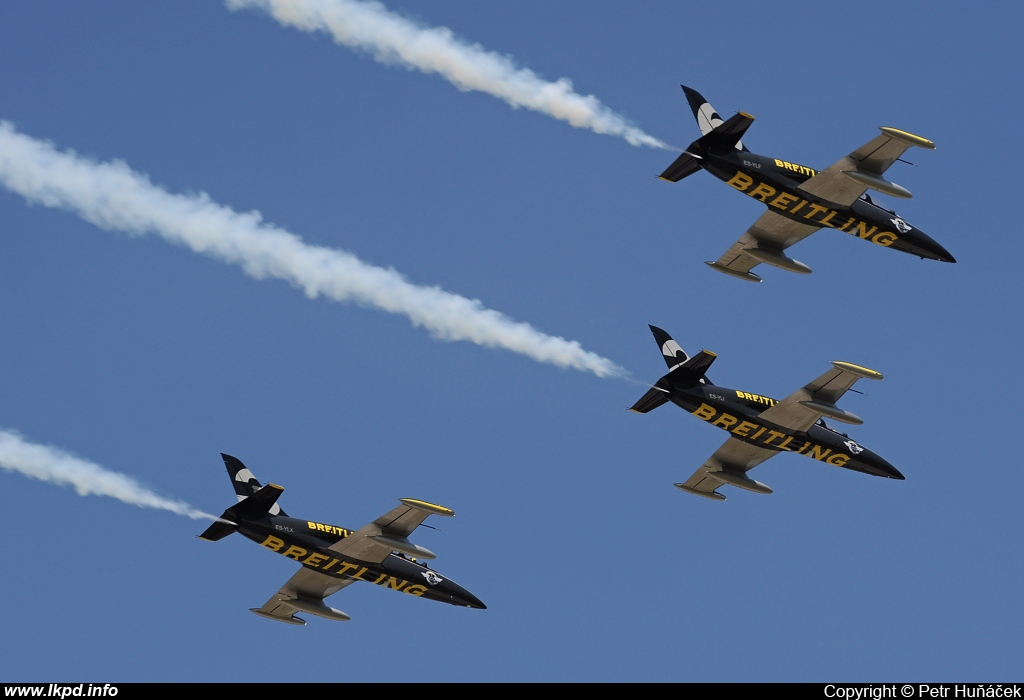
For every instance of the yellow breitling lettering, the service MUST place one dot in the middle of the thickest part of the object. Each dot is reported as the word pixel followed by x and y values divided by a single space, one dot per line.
pixel 884 238
pixel 395 584
pixel 416 590
pixel 726 421
pixel 783 445
pixel 273 543
pixel 838 459
pixel 380 578
pixel 315 559
pixel 774 433
pixel 327 529
pixel 815 210
pixel 862 230
pixel 819 452
pixel 783 200
pixel 741 181
pixel 762 192
pixel 802 169
pixel 743 429
pixel 705 412
pixel 346 566
pixel 294 552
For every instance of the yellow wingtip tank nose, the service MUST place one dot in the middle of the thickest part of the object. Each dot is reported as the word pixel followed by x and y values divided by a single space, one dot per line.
pixel 857 369
pixel 907 137
pixel 423 505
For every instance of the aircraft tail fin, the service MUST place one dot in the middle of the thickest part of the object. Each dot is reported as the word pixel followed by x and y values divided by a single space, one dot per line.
pixel 717 134
pixel 681 365
pixel 263 502
pixel 670 350
pixel 246 485
pixel 682 369
pixel 727 135
pixel 707 118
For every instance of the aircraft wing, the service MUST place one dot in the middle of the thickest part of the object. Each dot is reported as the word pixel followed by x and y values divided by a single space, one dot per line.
pixel 869 161
pixel 308 588
pixel 388 533
pixel 767 238
pixel 734 457
pixel 802 409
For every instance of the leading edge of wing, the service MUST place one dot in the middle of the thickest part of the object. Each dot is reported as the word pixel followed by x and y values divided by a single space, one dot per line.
pixel 304 592
pixel 848 178
pixel 764 242
pixel 802 409
pixel 388 533
pixel 728 465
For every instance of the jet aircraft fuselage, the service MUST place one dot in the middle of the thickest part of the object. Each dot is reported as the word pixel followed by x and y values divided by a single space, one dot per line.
pixel 307 542
pixel 738 413
pixel 775 183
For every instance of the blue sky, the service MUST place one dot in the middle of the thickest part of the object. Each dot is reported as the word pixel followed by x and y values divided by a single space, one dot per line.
pixel 149 359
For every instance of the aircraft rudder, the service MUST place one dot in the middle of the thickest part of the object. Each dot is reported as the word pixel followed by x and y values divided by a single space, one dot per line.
pixel 244 482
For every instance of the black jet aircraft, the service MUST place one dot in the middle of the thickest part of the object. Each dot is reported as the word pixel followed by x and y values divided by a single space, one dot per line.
pixel 334 557
pixel 801 200
pixel 760 427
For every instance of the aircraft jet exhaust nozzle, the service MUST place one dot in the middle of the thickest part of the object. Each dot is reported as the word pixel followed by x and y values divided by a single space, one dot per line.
pixel 877 183
pixel 403 546
pixel 778 260
pixel 741 481
pixel 833 411
pixel 317 608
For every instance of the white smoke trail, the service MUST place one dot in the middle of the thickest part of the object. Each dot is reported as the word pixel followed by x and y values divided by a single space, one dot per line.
pixel 88 479
pixel 391 38
pixel 113 197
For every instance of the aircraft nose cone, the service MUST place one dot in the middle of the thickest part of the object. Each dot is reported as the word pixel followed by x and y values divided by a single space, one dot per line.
pixel 894 473
pixel 883 468
pixel 471 601
pixel 943 255
pixel 928 248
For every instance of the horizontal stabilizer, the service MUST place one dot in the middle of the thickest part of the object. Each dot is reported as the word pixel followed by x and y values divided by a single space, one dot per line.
pixel 699 363
pixel 260 503
pixel 218 530
pixel 706 116
pixel 681 167
pixel 654 398
pixel 727 135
